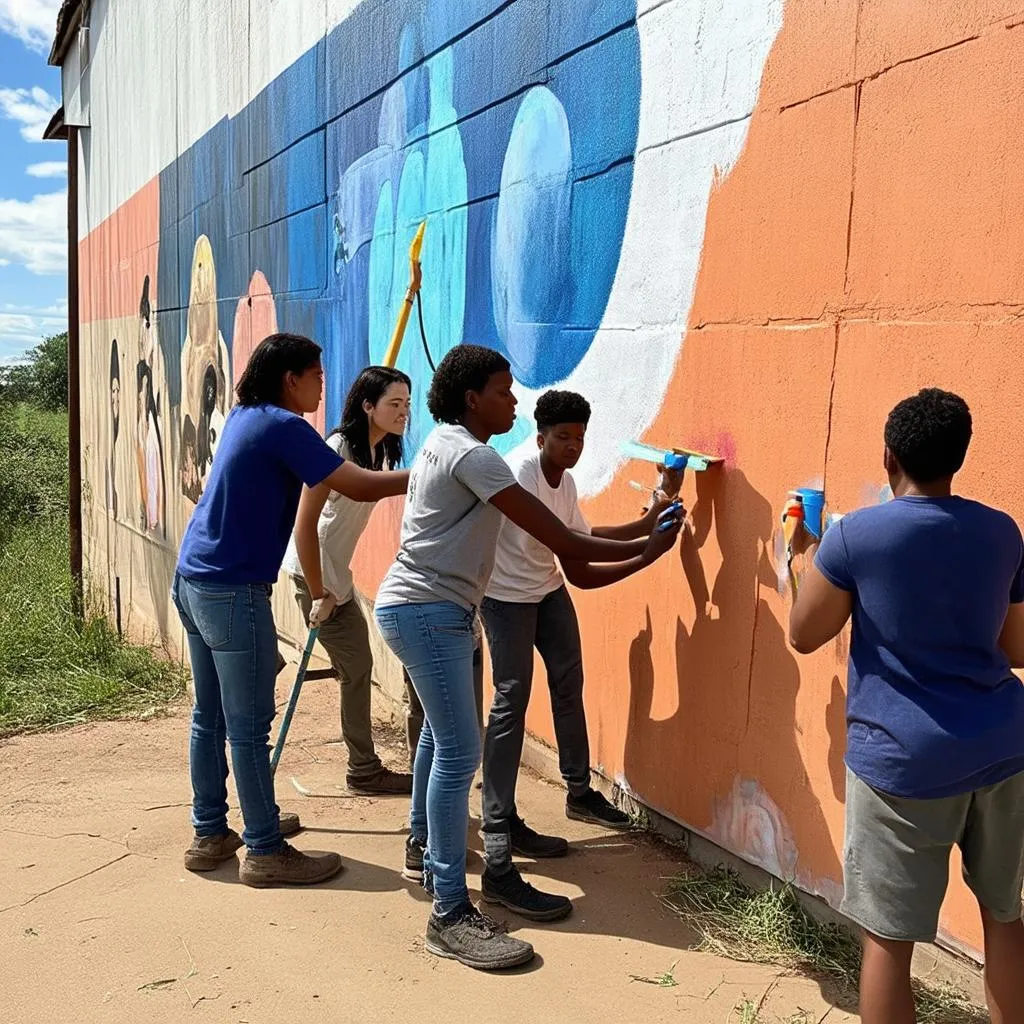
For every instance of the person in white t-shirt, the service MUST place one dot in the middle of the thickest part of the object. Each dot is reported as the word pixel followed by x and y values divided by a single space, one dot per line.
pixel 527 606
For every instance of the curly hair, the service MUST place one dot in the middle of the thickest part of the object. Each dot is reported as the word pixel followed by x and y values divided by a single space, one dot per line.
pixel 928 434
pixel 271 359
pixel 464 368
pixel 561 407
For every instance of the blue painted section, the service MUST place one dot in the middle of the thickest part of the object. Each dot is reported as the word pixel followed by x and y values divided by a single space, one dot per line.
pixel 509 125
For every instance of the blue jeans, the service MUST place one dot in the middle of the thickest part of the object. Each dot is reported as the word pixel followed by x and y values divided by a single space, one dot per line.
pixel 435 644
pixel 233 648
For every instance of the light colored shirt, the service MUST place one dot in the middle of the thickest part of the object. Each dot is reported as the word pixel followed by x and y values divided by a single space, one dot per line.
pixel 449 528
pixel 339 528
pixel 525 570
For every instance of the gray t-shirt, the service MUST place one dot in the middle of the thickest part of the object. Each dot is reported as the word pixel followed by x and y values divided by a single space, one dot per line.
pixel 449 529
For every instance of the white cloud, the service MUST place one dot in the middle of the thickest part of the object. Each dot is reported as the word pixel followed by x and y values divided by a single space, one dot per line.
pixel 32 108
pixel 47 169
pixel 34 233
pixel 31 21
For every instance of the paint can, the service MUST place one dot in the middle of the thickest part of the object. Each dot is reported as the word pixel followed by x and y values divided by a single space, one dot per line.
pixel 813 502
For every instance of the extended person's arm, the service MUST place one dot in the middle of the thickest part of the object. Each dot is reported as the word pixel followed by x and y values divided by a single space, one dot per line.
pixel 367 484
pixel 638 527
pixel 1011 639
pixel 820 609
pixel 307 539
pixel 589 577
pixel 532 515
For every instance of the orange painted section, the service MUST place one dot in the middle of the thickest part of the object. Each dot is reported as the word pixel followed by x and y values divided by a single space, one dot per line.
pixel 865 240
pixel 116 256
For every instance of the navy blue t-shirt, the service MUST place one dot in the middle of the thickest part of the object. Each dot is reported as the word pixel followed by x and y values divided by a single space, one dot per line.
pixel 932 708
pixel 239 531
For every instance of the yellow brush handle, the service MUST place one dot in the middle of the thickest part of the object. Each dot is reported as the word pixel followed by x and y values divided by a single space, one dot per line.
pixel 391 356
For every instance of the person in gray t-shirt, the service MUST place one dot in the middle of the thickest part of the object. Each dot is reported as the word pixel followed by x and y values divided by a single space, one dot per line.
pixel 459 489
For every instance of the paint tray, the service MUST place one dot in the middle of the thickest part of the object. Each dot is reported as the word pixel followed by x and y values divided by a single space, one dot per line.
pixel 672 458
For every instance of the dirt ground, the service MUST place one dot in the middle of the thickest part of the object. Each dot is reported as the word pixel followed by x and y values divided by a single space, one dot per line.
pixel 100 922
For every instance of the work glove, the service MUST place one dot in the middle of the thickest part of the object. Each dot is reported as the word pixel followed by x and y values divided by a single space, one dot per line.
pixel 322 609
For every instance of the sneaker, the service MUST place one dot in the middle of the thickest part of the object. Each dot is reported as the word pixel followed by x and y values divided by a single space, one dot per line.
pixel 472 938
pixel 512 891
pixel 289 823
pixel 289 867
pixel 382 783
pixel 527 843
pixel 414 851
pixel 208 852
pixel 592 807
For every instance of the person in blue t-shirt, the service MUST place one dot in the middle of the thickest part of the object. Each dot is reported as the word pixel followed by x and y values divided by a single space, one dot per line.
pixel 934 584
pixel 230 557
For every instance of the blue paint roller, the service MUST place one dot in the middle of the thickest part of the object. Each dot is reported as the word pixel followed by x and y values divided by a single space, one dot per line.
pixel 671 458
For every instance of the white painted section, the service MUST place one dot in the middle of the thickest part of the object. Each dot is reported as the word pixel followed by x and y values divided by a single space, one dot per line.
pixel 701 69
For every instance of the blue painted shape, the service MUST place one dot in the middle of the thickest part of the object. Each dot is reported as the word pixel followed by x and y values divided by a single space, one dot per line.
pixel 285 252
pixel 289 108
pixel 502 58
pixel 604 119
pixel 530 247
pixel 301 169
pixel 572 26
pixel 510 126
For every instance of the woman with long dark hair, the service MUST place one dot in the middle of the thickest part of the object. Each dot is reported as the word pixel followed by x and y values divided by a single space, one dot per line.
pixel 230 557
pixel 370 435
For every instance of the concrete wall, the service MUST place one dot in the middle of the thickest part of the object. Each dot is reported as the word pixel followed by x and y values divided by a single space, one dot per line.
pixel 735 225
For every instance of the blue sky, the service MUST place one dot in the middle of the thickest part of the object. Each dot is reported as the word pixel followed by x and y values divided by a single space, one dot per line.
pixel 33 218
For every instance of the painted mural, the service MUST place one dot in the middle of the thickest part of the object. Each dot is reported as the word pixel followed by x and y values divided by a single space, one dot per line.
pixel 689 210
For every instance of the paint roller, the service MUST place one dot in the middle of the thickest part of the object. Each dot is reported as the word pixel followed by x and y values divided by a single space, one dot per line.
pixel 673 459
pixel 390 358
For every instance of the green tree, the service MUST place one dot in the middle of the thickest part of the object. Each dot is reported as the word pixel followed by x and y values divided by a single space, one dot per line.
pixel 42 379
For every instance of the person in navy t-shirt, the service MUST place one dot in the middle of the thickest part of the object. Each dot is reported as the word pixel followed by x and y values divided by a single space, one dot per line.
pixel 934 584
pixel 230 557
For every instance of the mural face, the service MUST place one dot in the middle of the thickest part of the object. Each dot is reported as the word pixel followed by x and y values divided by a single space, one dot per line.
pixel 149 430
pixel 204 373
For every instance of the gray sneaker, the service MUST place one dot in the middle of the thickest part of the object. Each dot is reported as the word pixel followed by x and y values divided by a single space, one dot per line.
pixel 472 938
pixel 288 867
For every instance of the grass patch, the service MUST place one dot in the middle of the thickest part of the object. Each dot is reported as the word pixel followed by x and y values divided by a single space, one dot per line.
pixel 771 927
pixel 54 668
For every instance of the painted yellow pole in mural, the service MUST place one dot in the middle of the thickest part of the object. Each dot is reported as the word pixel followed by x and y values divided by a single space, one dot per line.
pixel 391 356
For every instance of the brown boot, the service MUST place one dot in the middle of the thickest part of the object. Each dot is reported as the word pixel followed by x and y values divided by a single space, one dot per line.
pixel 288 867
pixel 208 852
pixel 383 783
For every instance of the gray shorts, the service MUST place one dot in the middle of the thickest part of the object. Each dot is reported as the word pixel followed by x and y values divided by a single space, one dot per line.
pixel 896 857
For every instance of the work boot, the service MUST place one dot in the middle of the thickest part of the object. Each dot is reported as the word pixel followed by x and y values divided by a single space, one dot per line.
pixel 384 782
pixel 592 807
pixel 288 867
pixel 208 852
pixel 527 843
pixel 512 891
pixel 472 938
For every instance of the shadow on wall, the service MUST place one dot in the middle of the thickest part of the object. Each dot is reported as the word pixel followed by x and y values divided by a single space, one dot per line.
pixel 734 733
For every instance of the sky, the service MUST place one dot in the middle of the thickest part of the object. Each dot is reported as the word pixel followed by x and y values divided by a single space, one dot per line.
pixel 33 182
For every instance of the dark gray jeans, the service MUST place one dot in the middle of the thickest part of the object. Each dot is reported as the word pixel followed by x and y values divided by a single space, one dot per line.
pixel 513 630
